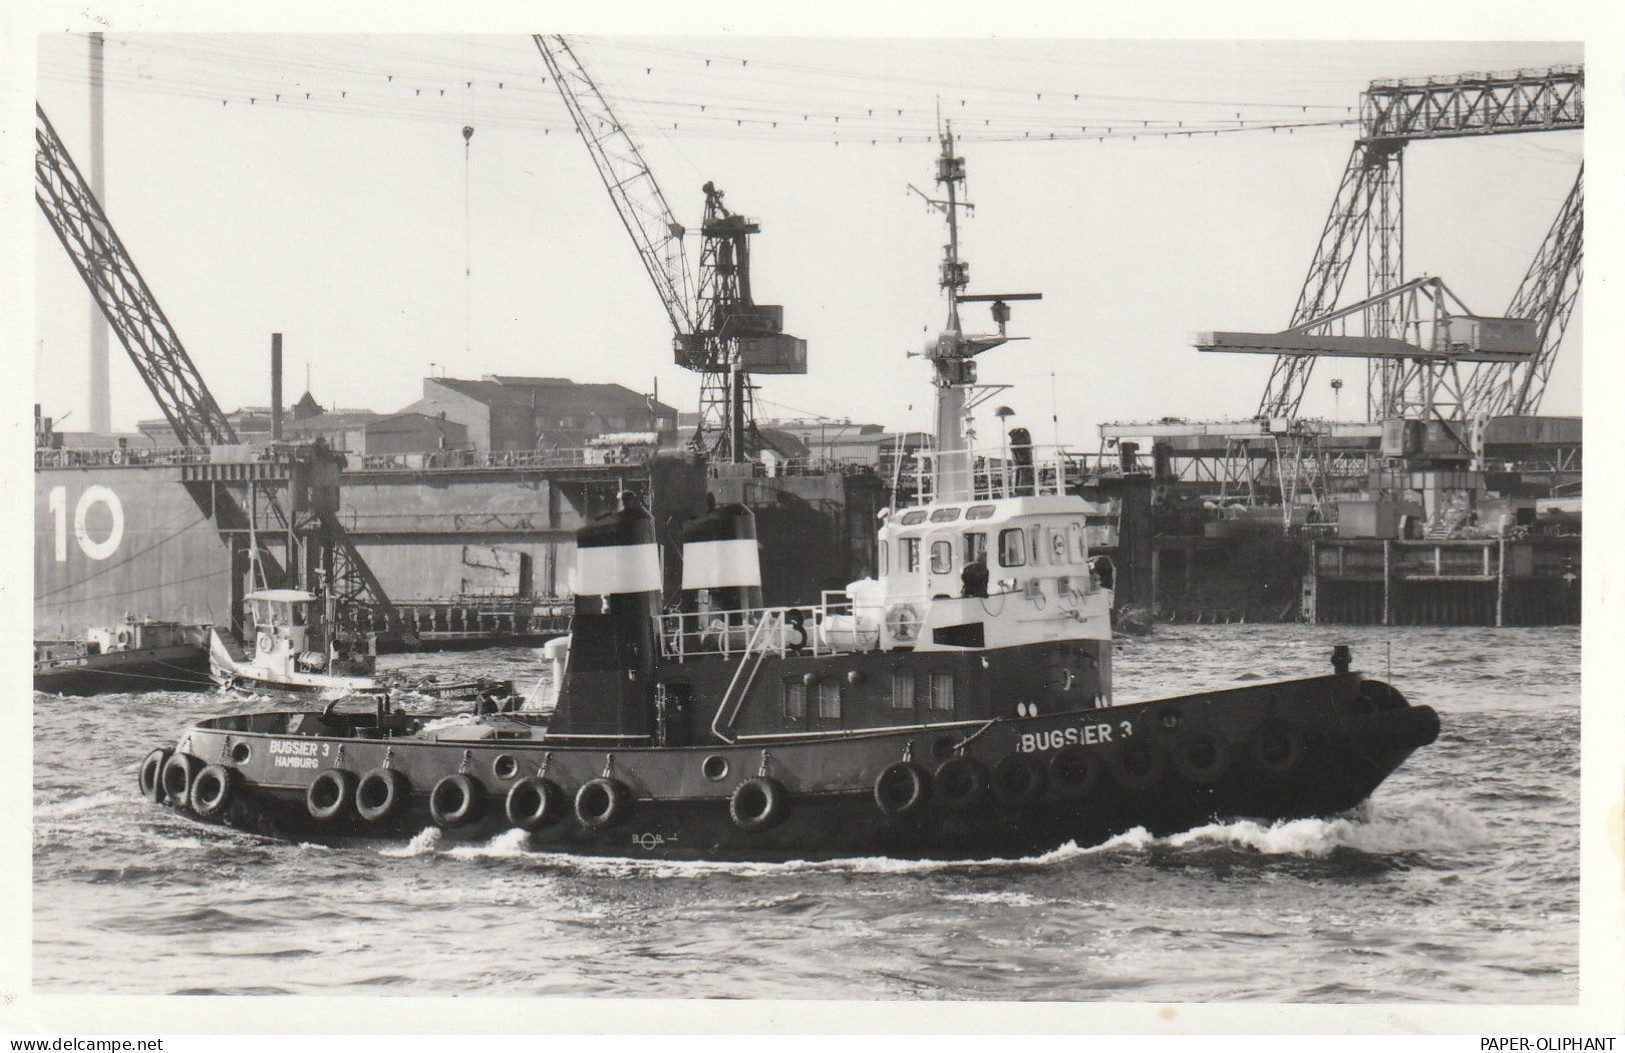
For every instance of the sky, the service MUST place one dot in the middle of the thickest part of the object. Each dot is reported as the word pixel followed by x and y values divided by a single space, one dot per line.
pixel 347 221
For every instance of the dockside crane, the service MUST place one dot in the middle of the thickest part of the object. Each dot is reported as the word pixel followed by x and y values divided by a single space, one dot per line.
pixel 720 331
pixel 1368 212
pixel 244 495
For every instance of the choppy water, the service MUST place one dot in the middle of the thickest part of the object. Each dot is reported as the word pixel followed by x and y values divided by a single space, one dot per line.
pixel 1456 883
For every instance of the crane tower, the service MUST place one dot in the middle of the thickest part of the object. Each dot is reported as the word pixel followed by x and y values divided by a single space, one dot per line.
pixel 719 330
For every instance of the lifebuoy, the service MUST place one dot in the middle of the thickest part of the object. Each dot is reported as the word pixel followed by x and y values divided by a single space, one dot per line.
pixel 757 803
pixel 961 782
pixel 1275 748
pixel 151 776
pixel 329 793
pixel 1138 765
pixel 1202 758
pixel 602 803
pixel 117 457
pixel 380 793
pixel 212 790
pixel 1018 780
pixel 534 802
pixel 177 779
pixel 263 642
pixel 455 800
pixel 122 637
pixel 902 787
pixel 1075 772
pixel 902 622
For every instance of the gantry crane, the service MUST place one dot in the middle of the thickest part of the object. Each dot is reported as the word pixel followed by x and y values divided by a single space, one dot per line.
pixel 720 331
pixel 243 496
pixel 1369 210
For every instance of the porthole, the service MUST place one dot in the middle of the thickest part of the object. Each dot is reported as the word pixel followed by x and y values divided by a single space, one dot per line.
pixel 715 768
pixel 505 766
pixel 241 752
pixel 1170 719
pixel 943 746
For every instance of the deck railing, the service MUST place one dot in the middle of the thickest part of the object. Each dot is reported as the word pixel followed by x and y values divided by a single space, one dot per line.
pixel 761 630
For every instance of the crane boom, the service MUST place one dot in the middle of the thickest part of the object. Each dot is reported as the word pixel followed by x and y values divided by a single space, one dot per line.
pixel 637 197
pixel 118 288
pixel 193 414
pixel 1547 294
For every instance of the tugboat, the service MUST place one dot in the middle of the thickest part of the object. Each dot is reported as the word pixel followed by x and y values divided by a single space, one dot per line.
pixel 957 706
pixel 137 654
pixel 297 653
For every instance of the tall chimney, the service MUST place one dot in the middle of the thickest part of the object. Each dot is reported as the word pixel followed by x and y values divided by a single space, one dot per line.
pixel 276 387
pixel 101 400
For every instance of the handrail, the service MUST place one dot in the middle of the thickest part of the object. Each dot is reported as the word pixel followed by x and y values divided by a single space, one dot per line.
pixel 761 656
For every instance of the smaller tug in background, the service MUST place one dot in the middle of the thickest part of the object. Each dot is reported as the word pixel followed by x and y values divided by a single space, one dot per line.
pixel 296 652
pixel 959 705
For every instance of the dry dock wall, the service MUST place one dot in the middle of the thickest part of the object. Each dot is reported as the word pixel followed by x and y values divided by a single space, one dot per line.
pixel 115 540
pixel 130 539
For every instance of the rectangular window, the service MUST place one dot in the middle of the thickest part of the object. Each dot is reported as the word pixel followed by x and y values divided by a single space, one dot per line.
pixel 945 515
pixel 885 559
pixel 902 691
pixel 829 699
pixel 911 555
pixel 942 692
pixel 795 699
pixel 1012 548
pixel 942 557
pixel 975 547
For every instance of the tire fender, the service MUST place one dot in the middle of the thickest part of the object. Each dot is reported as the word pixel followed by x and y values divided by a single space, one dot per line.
pixel 329 794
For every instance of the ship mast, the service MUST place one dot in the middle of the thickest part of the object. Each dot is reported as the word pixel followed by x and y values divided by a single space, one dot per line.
pixel 951 353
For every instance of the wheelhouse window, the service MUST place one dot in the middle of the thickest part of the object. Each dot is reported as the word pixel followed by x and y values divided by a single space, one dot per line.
pixel 942 692
pixel 1012 548
pixel 942 557
pixel 945 515
pixel 902 690
pixel 795 699
pixel 975 547
pixel 829 699
pixel 980 511
pixel 916 516
pixel 911 554
pixel 885 559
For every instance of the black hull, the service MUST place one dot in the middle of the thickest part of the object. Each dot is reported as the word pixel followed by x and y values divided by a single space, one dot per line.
pixel 129 672
pixel 1269 752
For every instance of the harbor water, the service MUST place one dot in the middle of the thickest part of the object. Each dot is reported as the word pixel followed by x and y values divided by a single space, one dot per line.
pixel 1457 882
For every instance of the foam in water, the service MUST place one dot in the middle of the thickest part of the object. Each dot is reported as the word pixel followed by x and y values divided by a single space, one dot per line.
pixel 77 805
pixel 506 845
pixel 1438 827
pixel 425 843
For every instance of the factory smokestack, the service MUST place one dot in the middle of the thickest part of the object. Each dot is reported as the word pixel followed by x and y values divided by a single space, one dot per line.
pixel 101 400
pixel 276 387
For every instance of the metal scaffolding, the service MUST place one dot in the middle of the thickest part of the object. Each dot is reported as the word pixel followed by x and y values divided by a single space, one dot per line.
pixel 1368 213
